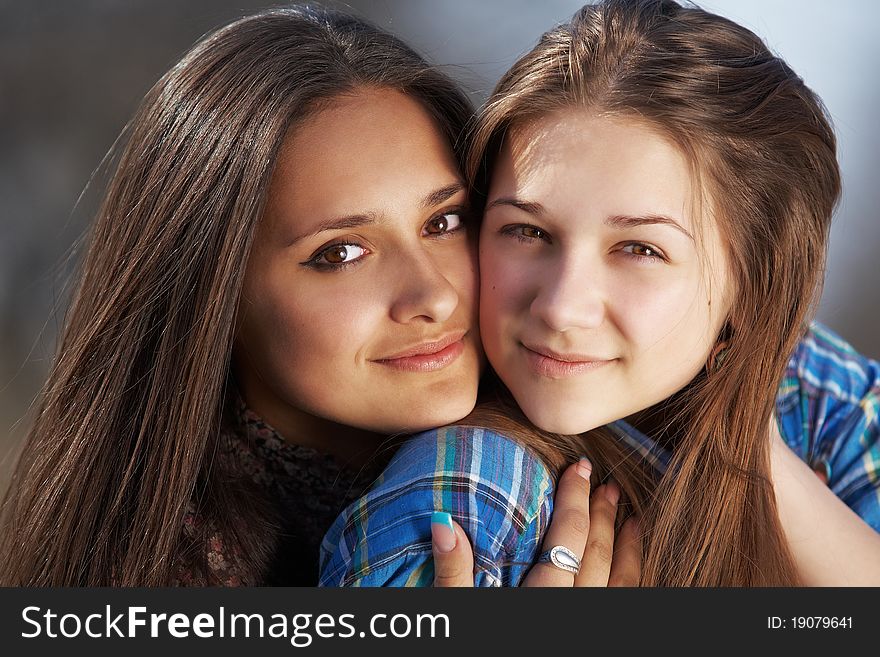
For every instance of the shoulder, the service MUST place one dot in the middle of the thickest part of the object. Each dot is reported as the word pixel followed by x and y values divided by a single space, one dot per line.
pixel 829 389
pixel 469 470
pixel 494 487
pixel 825 365
pixel 466 453
pixel 828 410
pixel 453 467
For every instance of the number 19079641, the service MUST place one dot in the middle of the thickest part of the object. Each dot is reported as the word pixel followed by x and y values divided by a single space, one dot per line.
pixel 809 623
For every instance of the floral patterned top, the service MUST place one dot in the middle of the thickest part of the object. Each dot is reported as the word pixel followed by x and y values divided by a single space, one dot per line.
pixel 309 489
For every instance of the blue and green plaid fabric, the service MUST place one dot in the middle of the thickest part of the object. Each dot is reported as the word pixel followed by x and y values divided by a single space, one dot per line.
pixel 828 412
pixel 828 409
pixel 496 490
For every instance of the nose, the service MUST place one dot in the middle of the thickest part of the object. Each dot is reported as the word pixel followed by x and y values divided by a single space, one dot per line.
pixel 570 297
pixel 423 292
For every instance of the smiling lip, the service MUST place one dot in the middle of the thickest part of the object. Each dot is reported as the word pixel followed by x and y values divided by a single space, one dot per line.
pixel 428 356
pixel 554 365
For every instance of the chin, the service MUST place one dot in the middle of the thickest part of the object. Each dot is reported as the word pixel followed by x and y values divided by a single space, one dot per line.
pixel 566 428
pixel 552 418
pixel 431 418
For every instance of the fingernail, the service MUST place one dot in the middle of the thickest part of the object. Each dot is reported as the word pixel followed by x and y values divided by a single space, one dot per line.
pixel 585 468
pixel 612 491
pixel 442 531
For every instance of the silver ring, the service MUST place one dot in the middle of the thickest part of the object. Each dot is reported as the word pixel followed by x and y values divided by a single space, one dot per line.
pixel 561 557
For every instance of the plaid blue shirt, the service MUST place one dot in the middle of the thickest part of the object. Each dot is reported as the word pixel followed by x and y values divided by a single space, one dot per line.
pixel 495 489
pixel 828 410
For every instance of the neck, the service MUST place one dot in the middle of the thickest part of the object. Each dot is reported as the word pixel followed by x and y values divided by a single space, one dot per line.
pixel 351 446
pixel 656 422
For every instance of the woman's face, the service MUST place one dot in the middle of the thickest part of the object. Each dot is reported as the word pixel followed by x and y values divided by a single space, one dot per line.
pixel 595 300
pixel 359 305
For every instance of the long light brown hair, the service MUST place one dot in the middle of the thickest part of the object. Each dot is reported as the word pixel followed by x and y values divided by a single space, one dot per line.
pixel 763 153
pixel 126 431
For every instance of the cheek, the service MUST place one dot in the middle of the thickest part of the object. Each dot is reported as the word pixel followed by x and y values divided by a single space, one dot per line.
pixel 503 292
pixel 665 317
pixel 302 331
pixel 333 327
pixel 462 271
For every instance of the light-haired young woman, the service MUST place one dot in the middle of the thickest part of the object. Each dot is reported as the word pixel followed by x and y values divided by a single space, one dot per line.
pixel 657 190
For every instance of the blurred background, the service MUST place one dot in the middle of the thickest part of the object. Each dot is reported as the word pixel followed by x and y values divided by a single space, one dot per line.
pixel 72 73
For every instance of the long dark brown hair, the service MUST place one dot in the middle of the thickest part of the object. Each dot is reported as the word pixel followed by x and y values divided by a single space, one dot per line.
pixel 126 430
pixel 764 154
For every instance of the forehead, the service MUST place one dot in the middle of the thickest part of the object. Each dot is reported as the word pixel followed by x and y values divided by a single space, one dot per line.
pixel 573 159
pixel 370 151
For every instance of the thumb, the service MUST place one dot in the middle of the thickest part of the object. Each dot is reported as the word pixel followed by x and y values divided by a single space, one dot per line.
pixel 453 558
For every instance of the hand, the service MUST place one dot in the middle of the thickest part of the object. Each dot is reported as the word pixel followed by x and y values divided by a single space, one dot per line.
pixel 583 524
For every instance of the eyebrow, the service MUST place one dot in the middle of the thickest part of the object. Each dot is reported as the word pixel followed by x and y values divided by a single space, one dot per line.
pixel 616 221
pixel 626 221
pixel 337 223
pixel 432 199
pixel 441 195
pixel 532 208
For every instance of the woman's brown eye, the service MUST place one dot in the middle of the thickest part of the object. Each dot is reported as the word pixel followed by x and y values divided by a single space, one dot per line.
pixel 526 233
pixel 443 224
pixel 437 225
pixel 642 250
pixel 336 255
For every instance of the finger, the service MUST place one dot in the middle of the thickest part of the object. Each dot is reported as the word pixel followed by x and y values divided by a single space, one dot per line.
pixel 453 557
pixel 626 566
pixel 569 526
pixel 599 552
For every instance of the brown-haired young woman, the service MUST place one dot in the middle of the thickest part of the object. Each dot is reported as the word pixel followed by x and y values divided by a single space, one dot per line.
pixel 657 191
pixel 279 277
